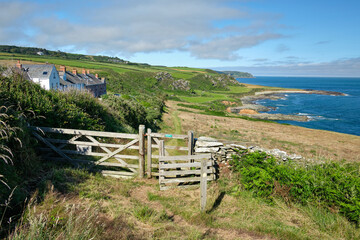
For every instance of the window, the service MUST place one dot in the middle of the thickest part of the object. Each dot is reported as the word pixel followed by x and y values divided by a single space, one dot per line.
pixel 45 73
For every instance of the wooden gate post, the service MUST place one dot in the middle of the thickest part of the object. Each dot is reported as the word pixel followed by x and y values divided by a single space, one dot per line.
pixel 161 148
pixel 203 184
pixel 161 171
pixel 149 153
pixel 141 151
pixel 191 142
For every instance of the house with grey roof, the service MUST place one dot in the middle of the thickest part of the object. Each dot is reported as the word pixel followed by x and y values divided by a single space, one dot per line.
pixel 82 81
pixel 45 75
pixel 48 78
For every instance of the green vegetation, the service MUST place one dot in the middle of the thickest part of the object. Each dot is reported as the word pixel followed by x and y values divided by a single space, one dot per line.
pixel 24 102
pixel 139 81
pixel 260 197
pixel 71 109
pixel 78 205
pixel 58 54
pixel 237 74
pixel 330 185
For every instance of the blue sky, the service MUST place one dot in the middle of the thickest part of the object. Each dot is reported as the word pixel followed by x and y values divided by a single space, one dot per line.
pixel 264 37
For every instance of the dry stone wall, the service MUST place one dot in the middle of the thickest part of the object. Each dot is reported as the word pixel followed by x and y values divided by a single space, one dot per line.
pixel 222 153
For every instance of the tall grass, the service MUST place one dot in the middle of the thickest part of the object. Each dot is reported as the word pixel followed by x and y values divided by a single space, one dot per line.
pixel 56 219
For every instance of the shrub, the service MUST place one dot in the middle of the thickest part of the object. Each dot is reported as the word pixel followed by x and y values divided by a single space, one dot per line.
pixel 73 109
pixel 332 185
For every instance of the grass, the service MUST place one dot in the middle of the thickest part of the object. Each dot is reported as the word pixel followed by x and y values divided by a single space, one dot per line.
pixel 80 205
pixel 208 96
pixel 76 204
pixel 178 72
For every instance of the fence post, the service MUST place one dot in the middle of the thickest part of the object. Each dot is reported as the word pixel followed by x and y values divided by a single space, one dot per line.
pixel 203 184
pixel 141 151
pixel 161 148
pixel 161 171
pixel 149 153
pixel 190 142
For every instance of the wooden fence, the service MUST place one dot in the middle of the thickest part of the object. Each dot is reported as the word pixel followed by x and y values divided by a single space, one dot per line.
pixel 153 143
pixel 182 171
pixel 121 151
pixel 123 155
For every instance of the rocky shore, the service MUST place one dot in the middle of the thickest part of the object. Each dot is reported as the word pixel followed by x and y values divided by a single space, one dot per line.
pixel 251 109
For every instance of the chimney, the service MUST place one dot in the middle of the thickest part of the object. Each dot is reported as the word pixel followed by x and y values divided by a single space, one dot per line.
pixel 74 71
pixel 96 75
pixel 88 71
pixel 84 71
pixel 18 64
pixel 62 68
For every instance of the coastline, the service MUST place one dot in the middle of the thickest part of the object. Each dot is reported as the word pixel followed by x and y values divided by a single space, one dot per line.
pixel 250 108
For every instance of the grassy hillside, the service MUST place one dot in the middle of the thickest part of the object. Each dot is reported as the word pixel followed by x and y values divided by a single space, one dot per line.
pixel 255 198
pixel 142 83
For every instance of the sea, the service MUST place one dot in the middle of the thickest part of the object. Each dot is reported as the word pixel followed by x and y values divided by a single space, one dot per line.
pixel 333 113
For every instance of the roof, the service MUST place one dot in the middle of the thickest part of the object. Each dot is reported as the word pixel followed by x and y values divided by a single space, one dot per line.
pixel 41 71
pixel 87 79
pixel 90 79
pixel 72 78
pixel 10 71
pixel 64 83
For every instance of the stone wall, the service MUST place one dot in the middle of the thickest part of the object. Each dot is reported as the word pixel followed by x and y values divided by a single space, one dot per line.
pixel 222 153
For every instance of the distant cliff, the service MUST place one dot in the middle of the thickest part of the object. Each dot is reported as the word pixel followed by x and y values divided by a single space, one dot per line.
pixel 237 74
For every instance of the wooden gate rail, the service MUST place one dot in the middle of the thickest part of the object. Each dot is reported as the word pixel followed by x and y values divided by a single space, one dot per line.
pixel 184 170
pixel 156 138
pixel 85 148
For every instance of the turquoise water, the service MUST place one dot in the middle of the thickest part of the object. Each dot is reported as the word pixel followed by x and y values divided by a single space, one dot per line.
pixel 333 113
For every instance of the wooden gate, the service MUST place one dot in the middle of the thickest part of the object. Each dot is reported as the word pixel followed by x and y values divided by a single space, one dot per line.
pixel 114 154
pixel 184 171
pixel 153 143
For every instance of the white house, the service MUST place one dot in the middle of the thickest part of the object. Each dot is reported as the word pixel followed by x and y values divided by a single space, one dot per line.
pixel 45 75
pixel 48 78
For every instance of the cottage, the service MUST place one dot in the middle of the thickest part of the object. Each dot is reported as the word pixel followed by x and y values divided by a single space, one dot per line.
pixel 48 78
pixel 83 81
pixel 45 75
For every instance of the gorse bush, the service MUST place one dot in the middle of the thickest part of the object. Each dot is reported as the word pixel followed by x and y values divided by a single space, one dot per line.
pixel 332 185
pixel 133 112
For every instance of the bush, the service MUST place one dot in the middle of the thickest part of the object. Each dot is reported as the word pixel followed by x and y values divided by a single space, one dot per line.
pixel 332 185
pixel 72 109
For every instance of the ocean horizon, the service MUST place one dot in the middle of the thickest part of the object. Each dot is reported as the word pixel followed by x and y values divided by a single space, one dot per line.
pixel 332 113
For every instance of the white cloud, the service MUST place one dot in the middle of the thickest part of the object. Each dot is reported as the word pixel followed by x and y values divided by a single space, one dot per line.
pixel 225 48
pixel 349 67
pixel 12 16
pixel 208 29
